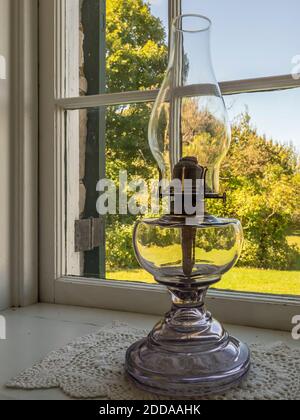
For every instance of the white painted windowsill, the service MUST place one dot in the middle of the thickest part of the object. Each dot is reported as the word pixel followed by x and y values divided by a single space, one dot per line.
pixel 34 331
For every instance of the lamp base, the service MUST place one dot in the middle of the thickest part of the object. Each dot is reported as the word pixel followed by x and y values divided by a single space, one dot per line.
pixel 187 354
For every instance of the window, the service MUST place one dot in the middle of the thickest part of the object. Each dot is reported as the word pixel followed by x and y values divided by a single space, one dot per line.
pixel 109 63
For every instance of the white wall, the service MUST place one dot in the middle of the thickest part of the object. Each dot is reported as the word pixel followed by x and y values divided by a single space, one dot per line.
pixel 5 154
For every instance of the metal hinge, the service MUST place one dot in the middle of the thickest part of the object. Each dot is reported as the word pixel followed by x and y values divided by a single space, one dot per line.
pixel 88 234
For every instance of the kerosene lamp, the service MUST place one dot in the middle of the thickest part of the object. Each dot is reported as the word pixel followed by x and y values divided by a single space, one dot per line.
pixel 188 353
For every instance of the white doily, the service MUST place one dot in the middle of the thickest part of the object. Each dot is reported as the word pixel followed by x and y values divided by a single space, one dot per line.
pixel 93 367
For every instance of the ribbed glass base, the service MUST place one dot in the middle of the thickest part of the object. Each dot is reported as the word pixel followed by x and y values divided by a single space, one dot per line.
pixel 187 354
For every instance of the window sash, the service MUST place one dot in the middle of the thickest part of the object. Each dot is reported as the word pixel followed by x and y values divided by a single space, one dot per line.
pixel 250 309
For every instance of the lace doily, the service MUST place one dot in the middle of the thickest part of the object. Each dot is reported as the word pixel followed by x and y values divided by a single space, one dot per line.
pixel 93 367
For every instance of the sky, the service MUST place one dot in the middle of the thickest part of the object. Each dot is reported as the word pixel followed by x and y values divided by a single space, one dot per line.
pixel 251 39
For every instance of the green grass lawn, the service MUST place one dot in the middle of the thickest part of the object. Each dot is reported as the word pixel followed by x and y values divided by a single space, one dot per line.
pixel 238 279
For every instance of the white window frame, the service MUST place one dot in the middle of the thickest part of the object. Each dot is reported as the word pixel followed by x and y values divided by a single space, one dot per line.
pixel 265 311
pixel 24 147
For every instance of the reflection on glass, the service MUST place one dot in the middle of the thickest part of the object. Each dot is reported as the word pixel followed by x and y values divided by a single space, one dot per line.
pixel 160 250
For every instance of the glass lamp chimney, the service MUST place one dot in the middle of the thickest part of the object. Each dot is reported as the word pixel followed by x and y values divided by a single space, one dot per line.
pixel 189 117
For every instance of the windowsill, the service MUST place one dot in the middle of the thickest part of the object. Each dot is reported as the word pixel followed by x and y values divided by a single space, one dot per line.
pixel 35 331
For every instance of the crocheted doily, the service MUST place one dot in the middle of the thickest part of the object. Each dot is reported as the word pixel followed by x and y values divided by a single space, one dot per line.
pixel 93 367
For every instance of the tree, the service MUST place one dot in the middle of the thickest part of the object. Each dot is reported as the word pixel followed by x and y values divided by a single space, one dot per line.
pixel 136 46
pixel 261 177
pixel 262 184
pixel 137 56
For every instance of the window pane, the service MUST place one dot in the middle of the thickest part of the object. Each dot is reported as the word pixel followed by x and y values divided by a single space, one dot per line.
pixel 129 51
pixel 260 176
pixel 251 39
pixel 104 143
pixel 122 45
pixel 262 179
pixel 274 114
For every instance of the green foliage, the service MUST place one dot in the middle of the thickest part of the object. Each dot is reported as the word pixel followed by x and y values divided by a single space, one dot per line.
pixel 127 146
pixel 262 183
pixel 137 56
pixel 119 248
pixel 136 48
pixel 260 177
